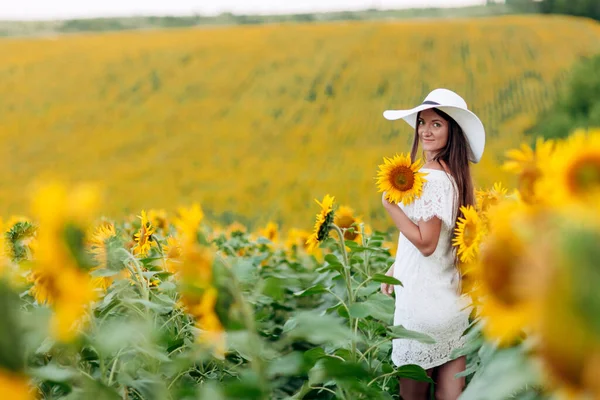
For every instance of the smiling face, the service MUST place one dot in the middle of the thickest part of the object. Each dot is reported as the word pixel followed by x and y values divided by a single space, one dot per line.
pixel 433 132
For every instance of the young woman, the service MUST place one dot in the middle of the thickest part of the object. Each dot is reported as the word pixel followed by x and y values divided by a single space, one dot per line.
pixel 429 300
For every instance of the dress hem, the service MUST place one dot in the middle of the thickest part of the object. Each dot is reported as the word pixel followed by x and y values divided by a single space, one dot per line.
pixel 433 364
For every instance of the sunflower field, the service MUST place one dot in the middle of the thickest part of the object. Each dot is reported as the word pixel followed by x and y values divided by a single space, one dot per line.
pixel 164 306
pixel 160 237
pixel 256 121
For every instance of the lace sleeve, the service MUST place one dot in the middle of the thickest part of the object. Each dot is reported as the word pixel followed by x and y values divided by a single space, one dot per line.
pixel 437 200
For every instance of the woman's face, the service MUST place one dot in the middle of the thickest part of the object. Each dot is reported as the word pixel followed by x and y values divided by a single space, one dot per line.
pixel 433 131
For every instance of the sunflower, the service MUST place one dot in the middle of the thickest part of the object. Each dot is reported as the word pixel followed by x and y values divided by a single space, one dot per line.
pixel 296 238
pixel 97 242
pixel 569 330
pixel 158 218
pixel 60 274
pixel 468 234
pixel 202 308
pixel 400 179
pixel 188 222
pixel 15 386
pixel 391 247
pixel 323 222
pixel 270 231
pixel 346 220
pixel 199 296
pixel 491 197
pixel 144 240
pixel 18 240
pixel 527 164
pixel 507 305
pixel 172 252
pixel 573 176
pixel 235 227
pixel 469 285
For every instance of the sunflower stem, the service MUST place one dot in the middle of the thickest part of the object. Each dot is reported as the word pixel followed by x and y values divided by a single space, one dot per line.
pixel 366 253
pixel 345 261
pixel 348 280
pixel 250 324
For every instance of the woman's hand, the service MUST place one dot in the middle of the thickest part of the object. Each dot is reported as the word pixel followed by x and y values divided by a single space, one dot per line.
pixel 387 288
pixel 386 204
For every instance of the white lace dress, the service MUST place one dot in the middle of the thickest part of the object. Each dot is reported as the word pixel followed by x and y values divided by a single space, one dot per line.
pixel 429 300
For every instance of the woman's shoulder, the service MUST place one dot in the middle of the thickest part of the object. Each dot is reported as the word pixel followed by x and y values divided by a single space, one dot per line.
pixel 437 180
pixel 436 175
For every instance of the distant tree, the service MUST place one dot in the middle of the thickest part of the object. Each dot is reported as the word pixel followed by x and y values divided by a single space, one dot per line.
pixel 524 6
pixel 581 8
pixel 578 106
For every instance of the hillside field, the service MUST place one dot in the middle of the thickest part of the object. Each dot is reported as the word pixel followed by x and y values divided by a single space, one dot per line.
pixel 254 122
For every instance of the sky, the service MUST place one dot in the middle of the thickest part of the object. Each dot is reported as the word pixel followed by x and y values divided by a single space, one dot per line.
pixel 60 9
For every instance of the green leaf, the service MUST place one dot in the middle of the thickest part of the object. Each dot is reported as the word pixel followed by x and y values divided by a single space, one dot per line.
pixel 167 286
pixel 247 386
pixel 238 341
pixel 413 372
pixel 93 389
pixel 244 270
pixel 313 355
pixel 274 288
pixel 334 263
pixel 103 272
pixel 340 370
pixel 318 328
pixel 11 346
pixel 400 332
pixel 148 385
pixel 53 373
pixel 210 390
pixel 516 371
pixel 368 289
pixel 359 310
pixel 386 279
pixel 315 289
pixel 378 306
pixel 287 365
pixel 151 305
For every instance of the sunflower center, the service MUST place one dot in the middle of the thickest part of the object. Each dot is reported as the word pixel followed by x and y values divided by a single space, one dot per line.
pixel 346 221
pixel 403 178
pixel 584 175
pixel 527 181
pixel 470 234
pixel 499 263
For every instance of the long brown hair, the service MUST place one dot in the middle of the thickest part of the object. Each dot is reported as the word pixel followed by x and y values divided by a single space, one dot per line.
pixel 456 156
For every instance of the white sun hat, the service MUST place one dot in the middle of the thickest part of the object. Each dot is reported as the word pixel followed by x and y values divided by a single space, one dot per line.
pixel 456 107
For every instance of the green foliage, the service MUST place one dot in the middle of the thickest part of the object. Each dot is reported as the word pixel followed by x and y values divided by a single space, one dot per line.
pixel 11 349
pixel 578 106
pixel 20 28
pixel 580 8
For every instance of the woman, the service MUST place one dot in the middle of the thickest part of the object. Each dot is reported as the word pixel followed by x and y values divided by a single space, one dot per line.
pixel 429 300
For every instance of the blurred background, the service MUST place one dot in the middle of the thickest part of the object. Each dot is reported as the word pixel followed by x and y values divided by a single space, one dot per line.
pixel 255 108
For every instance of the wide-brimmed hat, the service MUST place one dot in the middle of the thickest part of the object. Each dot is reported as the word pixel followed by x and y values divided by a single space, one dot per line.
pixel 456 107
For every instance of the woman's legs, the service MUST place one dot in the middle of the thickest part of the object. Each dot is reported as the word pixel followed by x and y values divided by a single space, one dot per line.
pixel 447 386
pixel 414 390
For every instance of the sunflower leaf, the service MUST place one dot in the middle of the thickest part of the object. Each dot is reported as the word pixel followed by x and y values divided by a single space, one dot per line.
pixel 315 289
pixel 400 332
pixel 386 279
pixel 514 368
pixel 413 372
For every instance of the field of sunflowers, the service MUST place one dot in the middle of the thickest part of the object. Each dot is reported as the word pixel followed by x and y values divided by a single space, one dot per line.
pixel 161 238
pixel 164 306
pixel 256 121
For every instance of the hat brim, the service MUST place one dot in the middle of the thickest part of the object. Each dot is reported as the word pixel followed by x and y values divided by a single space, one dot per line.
pixel 467 120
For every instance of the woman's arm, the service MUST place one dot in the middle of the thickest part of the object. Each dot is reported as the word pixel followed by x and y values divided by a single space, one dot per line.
pixel 387 288
pixel 423 236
